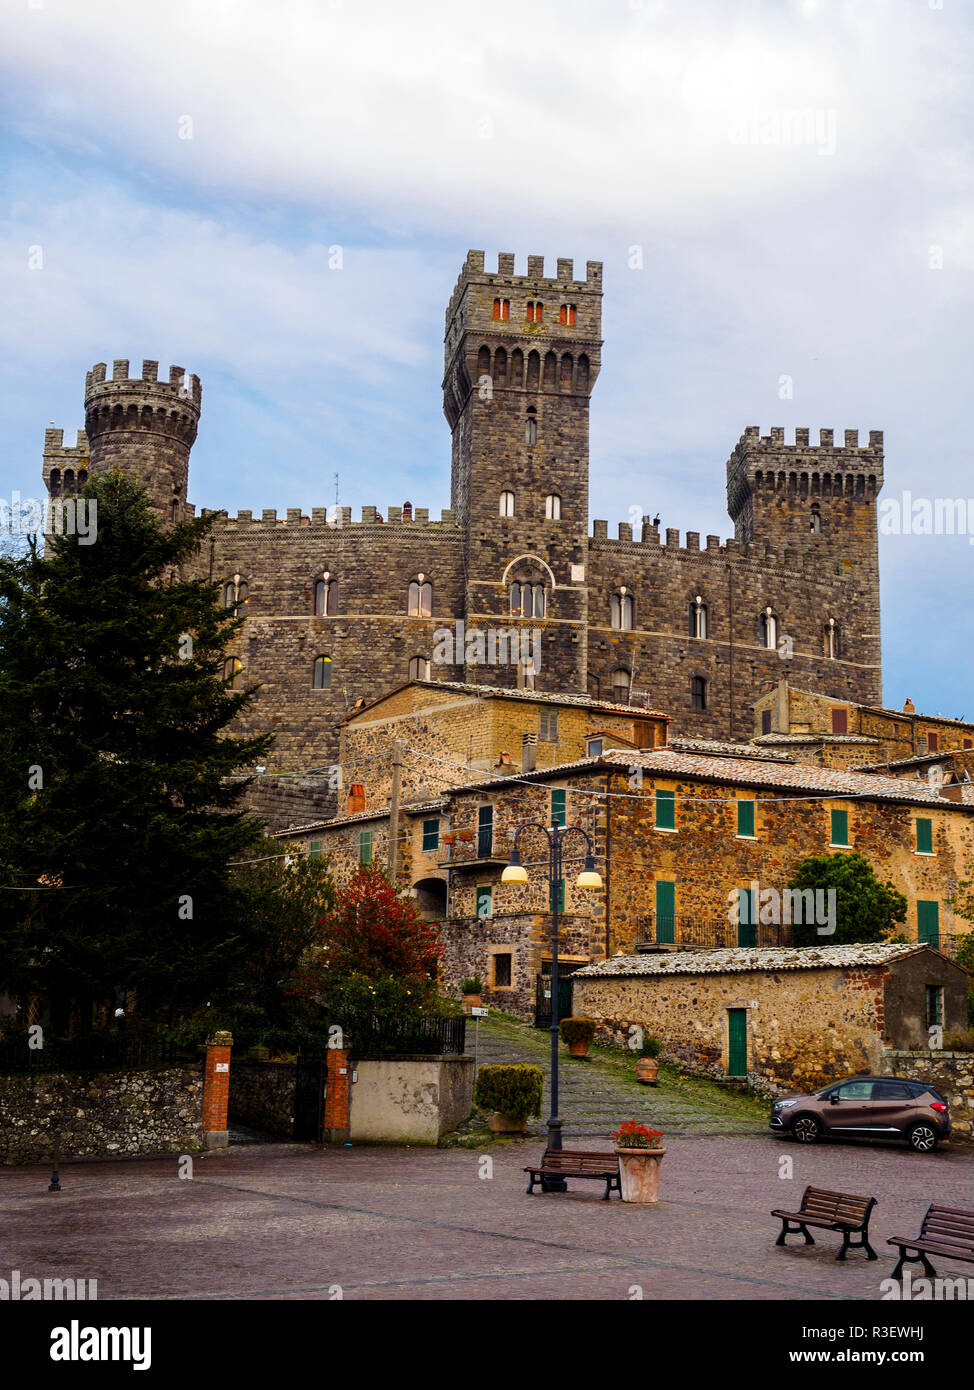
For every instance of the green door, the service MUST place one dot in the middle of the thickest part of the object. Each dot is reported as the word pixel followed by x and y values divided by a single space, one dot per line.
pixel 737 1042
pixel 747 917
pixel 665 912
pixel 928 923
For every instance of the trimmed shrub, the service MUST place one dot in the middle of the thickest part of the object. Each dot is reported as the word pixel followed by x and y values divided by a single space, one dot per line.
pixel 959 1042
pixel 652 1047
pixel 575 1030
pixel 473 984
pixel 512 1090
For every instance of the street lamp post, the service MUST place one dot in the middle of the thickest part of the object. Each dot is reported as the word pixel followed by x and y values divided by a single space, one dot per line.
pixel 588 878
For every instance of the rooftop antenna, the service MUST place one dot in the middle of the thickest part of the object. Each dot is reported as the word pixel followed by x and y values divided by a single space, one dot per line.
pixel 336 494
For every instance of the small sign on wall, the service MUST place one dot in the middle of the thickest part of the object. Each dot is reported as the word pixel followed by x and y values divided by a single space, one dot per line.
pixel 223 1066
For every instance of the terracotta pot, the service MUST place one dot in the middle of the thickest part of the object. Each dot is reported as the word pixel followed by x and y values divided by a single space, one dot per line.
pixel 466 836
pixel 471 1001
pixel 506 1124
pixel 647 1070
pixel 579 1048
pixel 639 1174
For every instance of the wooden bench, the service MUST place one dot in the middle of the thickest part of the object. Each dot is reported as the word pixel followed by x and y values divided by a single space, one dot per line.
pixel 577 1163
pixel 833 1211
pixel 947 1231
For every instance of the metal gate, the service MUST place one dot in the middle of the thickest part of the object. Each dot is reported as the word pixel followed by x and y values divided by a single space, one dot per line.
pixel 542 999
pixel 309 1099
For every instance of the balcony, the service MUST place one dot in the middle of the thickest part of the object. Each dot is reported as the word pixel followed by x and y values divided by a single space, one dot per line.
pixel 688 933
pixel 478 853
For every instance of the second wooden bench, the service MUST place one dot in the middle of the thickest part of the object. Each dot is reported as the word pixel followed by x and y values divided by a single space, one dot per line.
pixel 577 1163
pixel 832 1211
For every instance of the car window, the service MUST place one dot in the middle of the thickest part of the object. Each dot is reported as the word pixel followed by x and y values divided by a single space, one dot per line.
pixel 856 1090
pixel 891 1090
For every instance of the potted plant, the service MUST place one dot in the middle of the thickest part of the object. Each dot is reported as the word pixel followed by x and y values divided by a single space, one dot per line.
pixel 471 988
pixel 511 1094
pixel 465 835
pixel 578 1034
pixel 449 838
pixel 640 1157
pixel 647 1061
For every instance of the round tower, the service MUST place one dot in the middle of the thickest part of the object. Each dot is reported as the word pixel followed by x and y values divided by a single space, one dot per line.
pixel 144 428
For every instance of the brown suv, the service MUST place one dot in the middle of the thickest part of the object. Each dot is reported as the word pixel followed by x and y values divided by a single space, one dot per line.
pixel 867 1107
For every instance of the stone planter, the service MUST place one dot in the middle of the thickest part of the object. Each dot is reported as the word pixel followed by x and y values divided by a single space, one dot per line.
pixel 639 1174
pixel 578 1049
pixel 506 1124
pixel 471 1001
pixel 647 1070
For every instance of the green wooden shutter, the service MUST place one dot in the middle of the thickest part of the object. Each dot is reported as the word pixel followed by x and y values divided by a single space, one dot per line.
pixel 928 923
pixel 924 836
pixel 745 818
pixel 665 810
pixel 559 806
pixel 665 911
pixel 485 832
pixel 747 917
pixel 431 834
pixel 314 849
pixel 484 901
pixel 365 847
pixel 737 1042
pixel 840 827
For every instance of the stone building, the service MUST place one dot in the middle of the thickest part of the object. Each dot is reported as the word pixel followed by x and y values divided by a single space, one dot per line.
pixel 791 1018
pixel 695 849
pixel 340 611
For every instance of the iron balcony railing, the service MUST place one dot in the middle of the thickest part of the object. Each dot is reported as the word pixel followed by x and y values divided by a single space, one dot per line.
pixel 703 933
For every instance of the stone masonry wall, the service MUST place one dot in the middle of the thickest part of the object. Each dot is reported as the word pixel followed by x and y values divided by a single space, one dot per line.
pixel 952 1073
pixel 101 1115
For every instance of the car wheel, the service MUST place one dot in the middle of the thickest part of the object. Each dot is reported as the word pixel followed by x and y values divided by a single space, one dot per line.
pixel 806 1129
pixel 923 1139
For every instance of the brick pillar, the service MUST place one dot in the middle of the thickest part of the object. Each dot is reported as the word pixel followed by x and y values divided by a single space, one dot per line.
pixel 337 1095
pixel 216 1090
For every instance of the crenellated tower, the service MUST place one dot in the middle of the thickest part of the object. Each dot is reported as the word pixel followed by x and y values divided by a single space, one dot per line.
pixel 144 428
pixel 522 354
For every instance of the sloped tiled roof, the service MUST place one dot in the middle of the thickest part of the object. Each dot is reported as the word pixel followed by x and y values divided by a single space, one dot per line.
pixel 494 692
pixel 738 960
pixel 782 776
pixel 714 748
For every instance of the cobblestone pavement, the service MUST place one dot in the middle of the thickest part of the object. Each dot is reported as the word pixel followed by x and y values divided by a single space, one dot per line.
pixel 297 1222
pixel 599 1091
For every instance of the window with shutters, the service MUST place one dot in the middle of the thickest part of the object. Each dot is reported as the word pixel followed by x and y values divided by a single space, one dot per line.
pixel 745 820
pixel 559 892
pixel 506 504
pixel 419 668
pixel 665 911
pixel 665 810
pixel 559 802
pixel 548 726
pixel 314 849
pixel 485 832
pixel 924 835
pixel 933 743
pixel 365 847
pixel 431 835
pixel 840 721
pixel 928 923
pixel 485 901
pixel 552 507
pixel 765 721
pixel 839 828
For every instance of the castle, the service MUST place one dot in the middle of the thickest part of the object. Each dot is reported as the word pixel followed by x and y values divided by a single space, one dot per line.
pixel 339 611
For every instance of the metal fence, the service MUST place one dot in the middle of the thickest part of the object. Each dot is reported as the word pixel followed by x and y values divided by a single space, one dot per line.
pixel 385 1037
pixel 705 933
pixel 94 1052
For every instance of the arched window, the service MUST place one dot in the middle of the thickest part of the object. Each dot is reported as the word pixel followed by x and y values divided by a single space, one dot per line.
pixel 698 692
pixel 830 640
pixel 530 430
pixel 322 673
pixel 552 507
pixel 420 598
pixel 326 596
pixel 419 668
pixel 815 519
pixel 502 309
pixel 235 593
pixel 528 601
pixel 526 675
pixel 507 504
pixel 567 314
pixel 622 610
pixel 698 618
pixel 620 686
pixel 231 671
pixel 769 630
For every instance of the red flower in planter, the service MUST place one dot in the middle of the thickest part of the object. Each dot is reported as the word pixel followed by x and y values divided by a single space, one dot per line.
pixel 632 1135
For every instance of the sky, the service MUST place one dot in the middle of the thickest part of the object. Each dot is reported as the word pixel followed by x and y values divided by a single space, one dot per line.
pixel 279 197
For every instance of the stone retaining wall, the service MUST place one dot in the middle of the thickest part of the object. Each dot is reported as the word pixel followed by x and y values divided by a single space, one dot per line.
pixel 101 1114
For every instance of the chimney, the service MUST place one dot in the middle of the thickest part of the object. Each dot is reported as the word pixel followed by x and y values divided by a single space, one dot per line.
pixel 529 752
pixel 909 707
pixel 356 798
pixel 503 761
pixel 407 511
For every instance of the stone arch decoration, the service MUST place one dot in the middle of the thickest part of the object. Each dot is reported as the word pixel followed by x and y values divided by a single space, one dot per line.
pixel 534 559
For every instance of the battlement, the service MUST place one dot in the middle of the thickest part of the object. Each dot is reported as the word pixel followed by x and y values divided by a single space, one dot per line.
pixel 752 441
pixel 533 281
pixel 182 385
pixel 338 518
pixel 54 444
pixel 757 551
